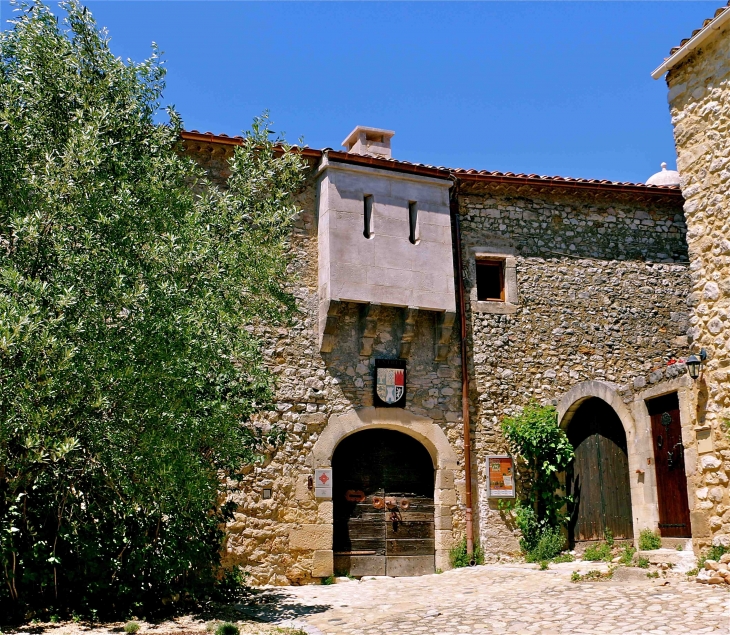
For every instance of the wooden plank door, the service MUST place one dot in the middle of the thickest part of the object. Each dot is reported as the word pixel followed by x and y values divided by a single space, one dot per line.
pixel 383 505
pixel 410 543
pixel 598 479
pixel 671 478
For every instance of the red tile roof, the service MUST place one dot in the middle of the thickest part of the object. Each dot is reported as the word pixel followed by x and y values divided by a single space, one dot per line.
pixel 706 23
pixel 710 27
pixel 485 176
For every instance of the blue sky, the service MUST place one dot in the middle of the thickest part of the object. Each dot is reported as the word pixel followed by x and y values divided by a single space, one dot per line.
pixel 558 88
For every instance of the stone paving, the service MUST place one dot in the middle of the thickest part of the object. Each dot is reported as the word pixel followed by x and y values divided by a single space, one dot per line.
pixel 506 599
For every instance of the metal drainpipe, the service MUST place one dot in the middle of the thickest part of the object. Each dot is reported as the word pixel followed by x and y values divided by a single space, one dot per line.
pixel 456 229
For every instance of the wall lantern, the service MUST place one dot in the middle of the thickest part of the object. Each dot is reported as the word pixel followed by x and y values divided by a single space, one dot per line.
pixel 694 364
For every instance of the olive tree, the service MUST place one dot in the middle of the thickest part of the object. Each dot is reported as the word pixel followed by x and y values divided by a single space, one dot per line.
pixel 127 380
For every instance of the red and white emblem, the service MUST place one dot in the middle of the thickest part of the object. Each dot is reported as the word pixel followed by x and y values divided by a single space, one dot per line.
pixel 391 384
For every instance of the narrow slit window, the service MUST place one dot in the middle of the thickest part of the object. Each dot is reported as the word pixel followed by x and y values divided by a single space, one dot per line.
pixel 413 222
pixel 368 216
pixel 490 280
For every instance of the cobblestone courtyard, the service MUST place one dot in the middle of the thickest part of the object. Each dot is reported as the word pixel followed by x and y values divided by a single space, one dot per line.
pixel 510 599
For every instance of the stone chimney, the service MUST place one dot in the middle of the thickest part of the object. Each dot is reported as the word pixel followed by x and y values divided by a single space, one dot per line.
pixel 364 140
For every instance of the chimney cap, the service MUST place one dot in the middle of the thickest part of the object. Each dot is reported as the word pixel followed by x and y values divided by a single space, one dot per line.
pixel 353 137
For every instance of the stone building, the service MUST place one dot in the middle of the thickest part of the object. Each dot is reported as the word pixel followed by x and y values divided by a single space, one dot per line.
pixel 698 76
pixel 574 294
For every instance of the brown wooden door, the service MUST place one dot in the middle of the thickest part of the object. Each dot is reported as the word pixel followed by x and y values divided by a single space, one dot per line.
pixel 383 505
pixel 598 478
pixel 666 432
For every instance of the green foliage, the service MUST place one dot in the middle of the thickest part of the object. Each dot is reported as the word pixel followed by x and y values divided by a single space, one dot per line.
pixel 608 536
pixel 127 383
pixel 693 572
pixel 460 558
pixel 131 627
pixel 642 563
pixel 544 565
pixel 535 437
pixel 649 540
pixel 627 555
pixel 652 574
pixel 227 628
pixel 598 553
pixel 563 557
pixel 679 548
pixel 713 553
pixel 330 579
pixel 591 576
pixel 716 552
pixel 550 544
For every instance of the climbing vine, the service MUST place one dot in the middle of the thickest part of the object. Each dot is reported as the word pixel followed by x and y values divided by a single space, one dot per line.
pixel 543 450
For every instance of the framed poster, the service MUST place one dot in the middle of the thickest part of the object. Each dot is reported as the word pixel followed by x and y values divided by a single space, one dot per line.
pixel 390 383
pixel 501 476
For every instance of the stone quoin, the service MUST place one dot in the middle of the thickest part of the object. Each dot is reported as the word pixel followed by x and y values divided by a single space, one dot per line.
pixel 698 77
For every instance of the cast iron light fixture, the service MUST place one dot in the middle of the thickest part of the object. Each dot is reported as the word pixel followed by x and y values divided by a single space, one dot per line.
pixel 694 364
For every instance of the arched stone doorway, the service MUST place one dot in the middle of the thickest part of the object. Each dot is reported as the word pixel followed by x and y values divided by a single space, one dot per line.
pixel 383 505
pixel 598 478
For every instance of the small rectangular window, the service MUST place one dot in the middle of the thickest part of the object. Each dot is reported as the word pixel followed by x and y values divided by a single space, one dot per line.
pixel 413 222
pixel 490 280
pixel 368 216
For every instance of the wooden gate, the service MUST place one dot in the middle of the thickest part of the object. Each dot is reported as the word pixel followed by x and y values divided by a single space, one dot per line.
pixel 383 505
pixel 598 478
pixel 671 479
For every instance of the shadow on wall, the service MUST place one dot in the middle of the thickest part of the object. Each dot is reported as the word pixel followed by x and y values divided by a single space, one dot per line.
pixel 367 332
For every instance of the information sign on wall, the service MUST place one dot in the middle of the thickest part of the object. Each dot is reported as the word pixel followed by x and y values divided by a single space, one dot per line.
pixel 323 482
pixel 501 476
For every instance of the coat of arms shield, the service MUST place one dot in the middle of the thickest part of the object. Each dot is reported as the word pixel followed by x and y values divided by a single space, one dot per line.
pixel 390 382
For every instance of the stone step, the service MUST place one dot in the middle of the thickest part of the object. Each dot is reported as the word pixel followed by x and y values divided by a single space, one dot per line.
pixel 680 561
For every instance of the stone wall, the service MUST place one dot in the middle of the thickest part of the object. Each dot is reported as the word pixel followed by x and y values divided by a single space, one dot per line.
pixel 699 97
pixel 597 294
pixel 600 296
pixel 288 538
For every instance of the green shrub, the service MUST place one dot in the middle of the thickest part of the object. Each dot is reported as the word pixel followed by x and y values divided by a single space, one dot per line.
pixel 227 628
pixel 575 576
pixel 543 565
pixel 716 552
pixel 627 555
pixel 127 385
pixel 679 548
pixel 608 536
pixel 713 553
pixel 549 545
pixel 536 438
pixel 596 553
pixel 459 557
pixel 564 557
pixel 643 563
pixel 330 579
pixel 649 540
pixel 131 627
pixel 652 574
